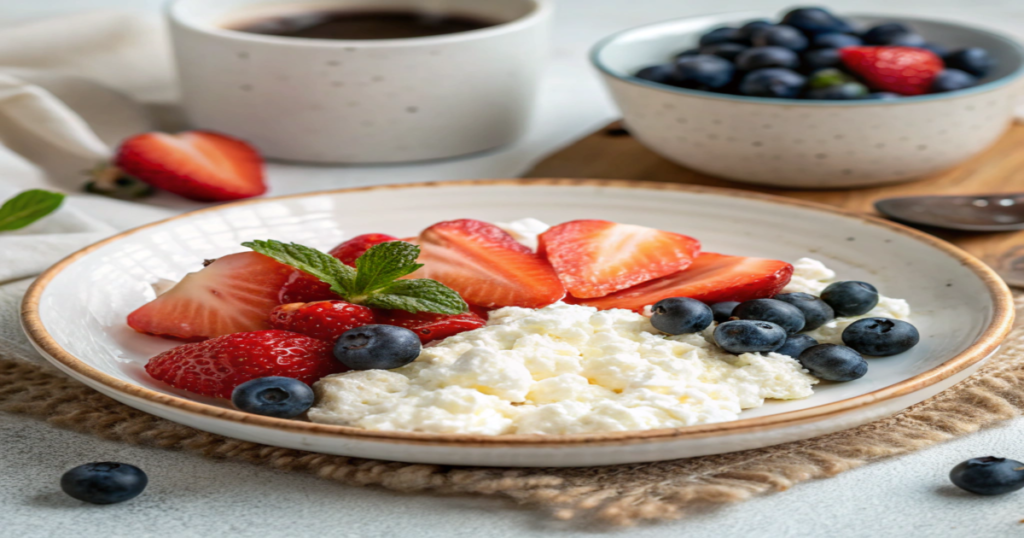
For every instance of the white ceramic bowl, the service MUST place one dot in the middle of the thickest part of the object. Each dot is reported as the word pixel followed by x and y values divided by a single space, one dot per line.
pixel 804 143
pixel 75 312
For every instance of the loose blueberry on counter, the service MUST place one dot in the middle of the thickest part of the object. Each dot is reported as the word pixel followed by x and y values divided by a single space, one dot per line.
pixel 120 188
pixel 850 298
pixel 815 20
pixel 779 36
pixel 907 40
pixel 988 476
pixel 773 82
pixel 703 71
pixel 818 59
pixel 778 312
pixel 881 337
pixel 832 362
pixel 729 51
pixel 835 41
pixel 377 347
pixel 680 315
pixel 104 482
pixel 949 80
pixel 723 310
pixel 884 33
pixel 763 57
pixel 796 344
pixel 973 61
pixel 274 396
pixel 721 35
pixel 746 336
pixel 816 312
pixel 746 32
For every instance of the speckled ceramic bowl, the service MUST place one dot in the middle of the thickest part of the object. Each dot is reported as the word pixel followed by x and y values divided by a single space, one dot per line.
pixel 805 143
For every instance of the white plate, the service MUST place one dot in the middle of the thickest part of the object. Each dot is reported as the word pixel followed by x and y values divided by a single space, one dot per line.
pixel 75 312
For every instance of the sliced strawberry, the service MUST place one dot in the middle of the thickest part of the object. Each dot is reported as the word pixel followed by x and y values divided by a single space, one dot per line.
pixel 303 287
pixel 324 320
pixel 597 257
pixel 198 165
pixel 902 70
pixel 233 294
pixel 215 367
pixel 429 326
pixel 486 265
pixel 712 278
pixel 352 249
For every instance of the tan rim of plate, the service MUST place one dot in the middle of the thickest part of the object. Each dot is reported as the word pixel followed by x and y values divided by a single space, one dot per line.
pixel 988 342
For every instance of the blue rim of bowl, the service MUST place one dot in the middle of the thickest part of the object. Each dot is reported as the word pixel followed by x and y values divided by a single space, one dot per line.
pixel 598 47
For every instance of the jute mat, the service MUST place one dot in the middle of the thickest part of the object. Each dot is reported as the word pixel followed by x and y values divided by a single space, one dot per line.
pixel 623 494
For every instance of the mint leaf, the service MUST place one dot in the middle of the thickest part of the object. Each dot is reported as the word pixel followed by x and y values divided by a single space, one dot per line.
pixel 382 264
pixel 323 266
pixel 28 207
pixel 418 295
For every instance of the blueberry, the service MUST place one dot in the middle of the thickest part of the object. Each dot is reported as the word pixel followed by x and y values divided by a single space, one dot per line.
pixel 762 57
pixel 720 35
pixel 833 363
pixel 908 40
pixel 104 482
pixel 688 52
pixel 723 310
pixel 747 336
pixel 835 41
pixel 817 59
pixel 703 71
pixel 973 61
pixel 746 32
pixel 883 96
pixel 795 345
pixel 883 34
pixel 949 80
pixel 121 188
pixel 778 312
pixel 988 476
pixel 780 36
pixel 844 91
pixel 281 397
pixel 729 51
pixel 881 337
pixel 815 20
pixel 680 315
pixel 937 49
pixel 816 312
pixel 377 347
pixel 662 74
pixel 850 298
pixel 773 82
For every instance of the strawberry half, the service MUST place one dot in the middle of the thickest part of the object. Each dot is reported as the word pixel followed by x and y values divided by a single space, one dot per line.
pixel 233 294
pixel 902 70
pixel 323 320
pixel 215 367
pixel 198 165
pixel 303 287
pixel 429 326
pixel 352 249
pixel 486 265
pixel 596 257
pixel 712 278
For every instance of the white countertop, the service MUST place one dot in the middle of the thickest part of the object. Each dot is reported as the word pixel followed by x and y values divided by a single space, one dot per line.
pixel 192 496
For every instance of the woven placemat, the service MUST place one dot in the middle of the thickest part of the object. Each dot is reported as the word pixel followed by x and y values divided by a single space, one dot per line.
pixel 622 494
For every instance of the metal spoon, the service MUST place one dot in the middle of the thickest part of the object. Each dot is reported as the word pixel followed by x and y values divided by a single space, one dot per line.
pixel 977 213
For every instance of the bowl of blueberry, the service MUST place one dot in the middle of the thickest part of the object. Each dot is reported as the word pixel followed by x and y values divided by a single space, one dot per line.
pixel 811 99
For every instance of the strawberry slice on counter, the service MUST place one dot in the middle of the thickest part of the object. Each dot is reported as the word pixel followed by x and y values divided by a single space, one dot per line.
pixel 429 326
pixel 352 249
pixel 712 278
pixel 215 367
pixel 198 165
pixel 596 257
pixel 485 265
pixel 323 320
pixel 902 70
pixel 233 294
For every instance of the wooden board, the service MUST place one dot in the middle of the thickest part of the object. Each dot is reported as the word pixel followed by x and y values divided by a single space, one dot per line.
pixel 611 153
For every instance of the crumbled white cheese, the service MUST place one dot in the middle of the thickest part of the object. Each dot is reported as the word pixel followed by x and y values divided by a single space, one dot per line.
pixel 524 230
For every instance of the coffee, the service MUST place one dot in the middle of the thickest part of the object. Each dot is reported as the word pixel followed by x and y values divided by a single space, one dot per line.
pixel 350 24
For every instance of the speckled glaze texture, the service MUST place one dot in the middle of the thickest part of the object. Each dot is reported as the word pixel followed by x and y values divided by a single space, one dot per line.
pixel 75 313
pixel 363 101
pixel 802 144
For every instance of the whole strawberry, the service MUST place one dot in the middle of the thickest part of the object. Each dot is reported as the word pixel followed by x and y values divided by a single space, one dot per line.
pixel 305 288
pixel 215 367
pixel 902 70
pixel 429 326
pixel 324 320
pixel 349 251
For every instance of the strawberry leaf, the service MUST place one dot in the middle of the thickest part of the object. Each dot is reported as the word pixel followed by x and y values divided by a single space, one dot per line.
pixel 28 207
pixel 418 295
pixel 323 266
pixel 383 264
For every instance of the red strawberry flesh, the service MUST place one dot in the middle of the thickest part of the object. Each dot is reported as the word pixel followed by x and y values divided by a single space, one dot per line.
pixel 902 70
pixel 324 320
pixel 349 251
pixel 429 326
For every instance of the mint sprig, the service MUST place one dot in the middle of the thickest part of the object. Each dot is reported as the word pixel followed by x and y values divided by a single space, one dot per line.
pixel 374 282
pixel 28 207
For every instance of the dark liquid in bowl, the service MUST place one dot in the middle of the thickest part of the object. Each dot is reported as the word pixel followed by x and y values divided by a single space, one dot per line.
pixel 361 25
